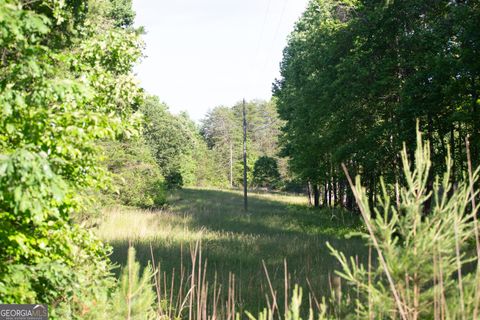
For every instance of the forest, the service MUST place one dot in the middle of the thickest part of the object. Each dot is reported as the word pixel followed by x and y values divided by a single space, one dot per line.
pixel 358 75
pixel 361 170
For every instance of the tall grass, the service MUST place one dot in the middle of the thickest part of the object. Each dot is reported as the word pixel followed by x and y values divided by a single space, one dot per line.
pixel 422 260
pixel 279 231
pixel 194 297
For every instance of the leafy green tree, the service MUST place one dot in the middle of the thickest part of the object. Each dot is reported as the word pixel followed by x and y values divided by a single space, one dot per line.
pixel 122 13
pixel 355 76
pixel 166 134
pixel 223 134
pixel 263 126
pixel 65 84
pixel 265 173
pixel 177 146
pixel 238 171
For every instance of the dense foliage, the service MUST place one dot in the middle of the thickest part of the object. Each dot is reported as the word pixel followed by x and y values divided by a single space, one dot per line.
pixel 177 147
pixel 137 180
pixel 357 74
pixel 65 84
pixel 424 250
pixel 422 258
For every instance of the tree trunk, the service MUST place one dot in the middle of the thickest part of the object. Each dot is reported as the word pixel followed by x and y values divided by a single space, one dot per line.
pixel 371 193
pixel 335 190
pixel 452 152
pixel 309 192
pixel 475 141
pixel 341 194
pixel 431 175
pixel 316 196
pixel 350 199
pixel 325 194
pixel 329 197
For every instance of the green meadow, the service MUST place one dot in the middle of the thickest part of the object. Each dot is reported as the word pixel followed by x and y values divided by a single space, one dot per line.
pixel 278 229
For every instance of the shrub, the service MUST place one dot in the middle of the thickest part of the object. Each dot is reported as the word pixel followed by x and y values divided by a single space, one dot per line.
pixel 294 311
pixel 134 297
pixel 57 104
pixel 174 180
pixel 48 259
pixel 136 176
pixel 423 248
pixel 265 173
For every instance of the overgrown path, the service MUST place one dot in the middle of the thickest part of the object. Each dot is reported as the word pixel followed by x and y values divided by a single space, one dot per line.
pixel 277 227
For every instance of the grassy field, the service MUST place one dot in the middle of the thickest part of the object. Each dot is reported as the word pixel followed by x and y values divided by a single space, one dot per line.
pixel 277 229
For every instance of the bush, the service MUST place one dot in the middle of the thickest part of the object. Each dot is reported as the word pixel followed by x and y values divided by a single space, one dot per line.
pixel 136 176
pixel 48 258
pixel 174 180
pixel 134 297
pixel 266 174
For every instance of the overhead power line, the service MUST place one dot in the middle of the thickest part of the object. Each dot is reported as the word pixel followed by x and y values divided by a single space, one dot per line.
pixel 285 2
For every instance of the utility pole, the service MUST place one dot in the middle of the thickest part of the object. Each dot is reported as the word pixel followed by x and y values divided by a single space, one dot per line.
pixel 245 196
pixel 231 164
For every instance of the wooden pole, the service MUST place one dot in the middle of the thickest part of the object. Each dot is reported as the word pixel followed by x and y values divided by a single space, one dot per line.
pixel 245 195
pixel 231 164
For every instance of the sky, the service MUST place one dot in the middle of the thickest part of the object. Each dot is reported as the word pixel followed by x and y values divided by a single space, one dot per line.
pixel 205 53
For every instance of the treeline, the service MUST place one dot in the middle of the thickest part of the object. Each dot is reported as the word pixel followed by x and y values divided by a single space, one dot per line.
pixel 168 153
pixel 173 151
pixel 222 130
pixel 357 75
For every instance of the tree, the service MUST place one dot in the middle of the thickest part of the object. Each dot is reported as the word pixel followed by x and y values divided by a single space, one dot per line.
pixel 137 180
pixel 134 297
pixel 168 137
pixel 222 129
pixel 355 76
pixel 179 150
pixel 65 84
pixel 122 13
pixel 263 126
pixel 222 132
pixel 265 173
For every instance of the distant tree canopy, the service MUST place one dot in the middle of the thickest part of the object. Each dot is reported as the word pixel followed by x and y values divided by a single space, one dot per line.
pixel 222 129
pixel 179 150
pixel 167 135
pixel 355 77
